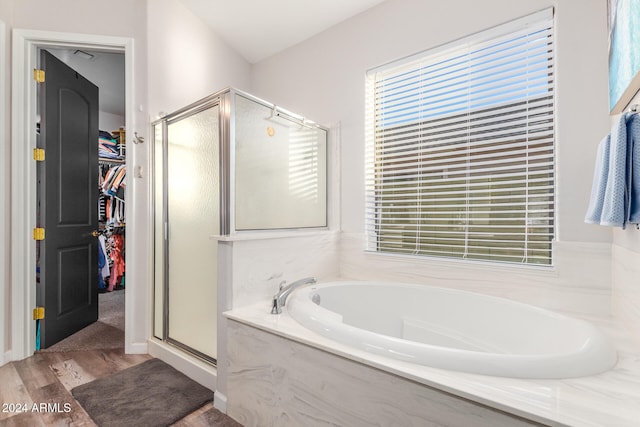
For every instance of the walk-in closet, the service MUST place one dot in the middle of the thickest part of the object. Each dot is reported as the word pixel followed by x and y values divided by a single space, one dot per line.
pixel 106 71
pixel 111 209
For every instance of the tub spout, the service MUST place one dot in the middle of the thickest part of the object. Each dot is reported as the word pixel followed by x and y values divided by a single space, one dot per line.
pixel 280 298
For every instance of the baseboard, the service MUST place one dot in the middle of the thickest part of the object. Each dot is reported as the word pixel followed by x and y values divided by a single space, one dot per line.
pixel 6 358
pixel 220 402
pixel 136 348
pixel 192 367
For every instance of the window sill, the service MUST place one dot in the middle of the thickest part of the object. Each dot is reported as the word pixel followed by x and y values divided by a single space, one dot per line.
pixel 272 234
pixel 466 264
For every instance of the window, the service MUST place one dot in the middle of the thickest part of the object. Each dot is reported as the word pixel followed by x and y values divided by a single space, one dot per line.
pixel 460 148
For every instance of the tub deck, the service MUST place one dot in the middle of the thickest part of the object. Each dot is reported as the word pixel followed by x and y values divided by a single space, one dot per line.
pixel 453 329
pixel 608 399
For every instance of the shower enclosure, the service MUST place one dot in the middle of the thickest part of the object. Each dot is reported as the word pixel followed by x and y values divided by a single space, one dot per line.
pixel 225 166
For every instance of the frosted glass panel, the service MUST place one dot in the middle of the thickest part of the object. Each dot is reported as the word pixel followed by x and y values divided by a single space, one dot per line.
pixel 158 183
pixel 194 216
pixel 280 170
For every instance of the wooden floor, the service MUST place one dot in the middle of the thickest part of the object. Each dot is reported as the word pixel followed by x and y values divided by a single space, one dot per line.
pixel 47 378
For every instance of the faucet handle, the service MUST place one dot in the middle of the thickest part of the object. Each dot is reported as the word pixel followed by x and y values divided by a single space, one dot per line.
pixel 275 308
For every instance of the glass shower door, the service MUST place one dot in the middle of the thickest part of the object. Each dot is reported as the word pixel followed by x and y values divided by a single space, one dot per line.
pixel 192 217
pixel 159 230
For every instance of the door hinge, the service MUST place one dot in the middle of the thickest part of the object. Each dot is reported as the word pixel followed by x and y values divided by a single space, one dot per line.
pixel 38 233
pixel 38 75
pixel 38 313
pixel 38 154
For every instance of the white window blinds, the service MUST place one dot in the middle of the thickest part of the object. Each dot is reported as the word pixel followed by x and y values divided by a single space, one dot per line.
pixel 460 148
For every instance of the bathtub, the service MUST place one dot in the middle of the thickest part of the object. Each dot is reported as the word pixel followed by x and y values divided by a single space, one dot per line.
pixel 452 329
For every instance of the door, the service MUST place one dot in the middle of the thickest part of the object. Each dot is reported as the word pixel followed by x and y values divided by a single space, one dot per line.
pixel 193 216
pixel 67 193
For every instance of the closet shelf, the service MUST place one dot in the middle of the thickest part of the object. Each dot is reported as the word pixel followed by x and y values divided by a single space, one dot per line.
pixel 108 161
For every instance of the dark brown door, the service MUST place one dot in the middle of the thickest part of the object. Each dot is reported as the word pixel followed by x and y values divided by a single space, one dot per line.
pixel 67 201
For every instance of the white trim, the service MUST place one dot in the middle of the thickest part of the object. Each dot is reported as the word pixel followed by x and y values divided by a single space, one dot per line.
pixel 137 348
pixel 334 178
pixel 3 220
pixel 220 402
pixel 192 367
pixel 5 357
pixel 496 31
pixel 22 211
pixel 23 178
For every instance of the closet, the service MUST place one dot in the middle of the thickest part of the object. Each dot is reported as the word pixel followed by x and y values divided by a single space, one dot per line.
pixel 111 209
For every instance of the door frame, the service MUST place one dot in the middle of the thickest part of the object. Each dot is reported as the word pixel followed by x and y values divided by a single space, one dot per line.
pixel 23 177
pixel 4 283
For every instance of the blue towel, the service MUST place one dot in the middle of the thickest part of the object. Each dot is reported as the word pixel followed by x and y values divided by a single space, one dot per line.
pixel 633 169
pixel 615 194
pixel 596 202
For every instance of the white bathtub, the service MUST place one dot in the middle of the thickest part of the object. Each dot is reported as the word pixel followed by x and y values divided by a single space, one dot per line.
pixel 452 329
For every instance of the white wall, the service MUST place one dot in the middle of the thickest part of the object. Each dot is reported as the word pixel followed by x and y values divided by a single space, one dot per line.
pixel 582 112
pixel 323 78
pixel 187 60
pixel 119 18
pixel 110 122
pixel 5 155
pixel 6 11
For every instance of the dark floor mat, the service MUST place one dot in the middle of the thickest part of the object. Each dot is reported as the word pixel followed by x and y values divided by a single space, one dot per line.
pixel 149 394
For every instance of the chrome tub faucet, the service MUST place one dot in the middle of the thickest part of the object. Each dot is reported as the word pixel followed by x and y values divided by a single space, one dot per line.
pixel 280 298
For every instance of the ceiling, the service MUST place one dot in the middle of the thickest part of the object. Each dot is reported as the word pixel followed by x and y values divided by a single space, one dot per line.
pixel 104 69
pixel 258 29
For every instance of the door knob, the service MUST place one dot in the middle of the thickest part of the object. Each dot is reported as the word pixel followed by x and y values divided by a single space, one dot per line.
pixel 95 233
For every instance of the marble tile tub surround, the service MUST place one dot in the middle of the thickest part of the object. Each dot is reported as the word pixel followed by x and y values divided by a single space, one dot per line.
pixel 261 261
pixel 605 400
pixel 626 290
pixel 274 381
pixel 579 281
